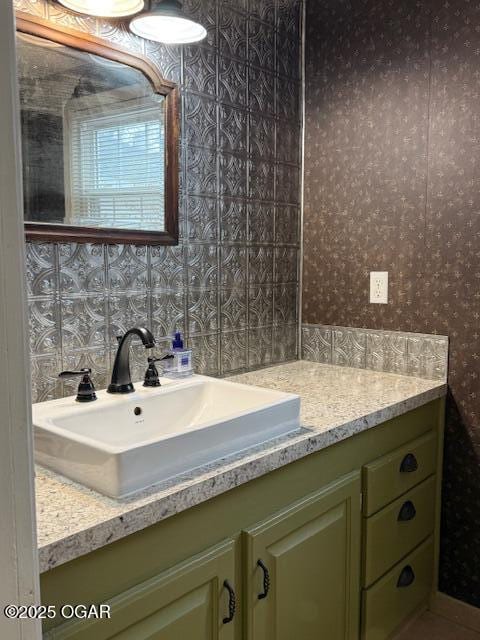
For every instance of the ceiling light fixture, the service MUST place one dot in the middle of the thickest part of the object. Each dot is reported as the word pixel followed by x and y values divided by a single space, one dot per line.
pixel 105 8
pixel 168 24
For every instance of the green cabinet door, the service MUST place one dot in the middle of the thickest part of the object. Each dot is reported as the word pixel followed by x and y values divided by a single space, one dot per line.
pixel 303 568
pixel 189 601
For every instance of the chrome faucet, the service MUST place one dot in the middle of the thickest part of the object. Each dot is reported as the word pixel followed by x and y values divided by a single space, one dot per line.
pixel 121 378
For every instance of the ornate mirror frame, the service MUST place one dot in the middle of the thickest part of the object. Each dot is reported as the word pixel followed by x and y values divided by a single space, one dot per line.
pixel 42 28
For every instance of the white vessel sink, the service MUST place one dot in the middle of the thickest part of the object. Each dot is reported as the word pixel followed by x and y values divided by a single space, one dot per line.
pixel 120 444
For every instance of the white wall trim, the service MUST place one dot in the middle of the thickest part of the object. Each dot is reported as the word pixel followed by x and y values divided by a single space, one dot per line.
pixel 19 582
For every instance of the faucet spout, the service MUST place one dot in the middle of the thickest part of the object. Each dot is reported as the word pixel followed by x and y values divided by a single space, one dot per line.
pixel 121 378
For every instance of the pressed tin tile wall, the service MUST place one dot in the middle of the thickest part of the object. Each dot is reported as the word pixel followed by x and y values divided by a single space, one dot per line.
pixel 392 183
pixel 232 283
pixel 406 354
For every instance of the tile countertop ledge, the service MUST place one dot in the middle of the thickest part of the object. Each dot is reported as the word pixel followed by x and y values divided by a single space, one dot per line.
pixel 337 402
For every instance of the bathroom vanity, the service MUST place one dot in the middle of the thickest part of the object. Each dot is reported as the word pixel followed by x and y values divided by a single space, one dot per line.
pixel 328 532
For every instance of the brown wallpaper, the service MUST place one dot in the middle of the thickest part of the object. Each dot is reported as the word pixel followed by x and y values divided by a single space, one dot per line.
pixel 393 183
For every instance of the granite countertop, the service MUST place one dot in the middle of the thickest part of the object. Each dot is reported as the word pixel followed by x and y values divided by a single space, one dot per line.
pixel 337 402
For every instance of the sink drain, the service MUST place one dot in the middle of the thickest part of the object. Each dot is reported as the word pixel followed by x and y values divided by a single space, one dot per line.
pixel 137 411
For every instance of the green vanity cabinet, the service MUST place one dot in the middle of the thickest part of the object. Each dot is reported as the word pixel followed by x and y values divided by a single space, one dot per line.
pixel 383 479
pixel 191 600
pixel 388 537
pixel 330 539
pixel 302 568
pixel 398 594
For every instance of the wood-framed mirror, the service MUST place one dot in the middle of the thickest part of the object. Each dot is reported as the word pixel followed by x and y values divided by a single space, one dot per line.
pixel 100 131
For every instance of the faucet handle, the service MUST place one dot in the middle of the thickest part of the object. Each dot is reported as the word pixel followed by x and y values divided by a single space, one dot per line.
pixel 86 388
pixel 152 377
pixel 71 374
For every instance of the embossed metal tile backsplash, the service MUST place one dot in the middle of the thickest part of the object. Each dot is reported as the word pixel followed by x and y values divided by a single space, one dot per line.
pixel 232 283
pixel 408 354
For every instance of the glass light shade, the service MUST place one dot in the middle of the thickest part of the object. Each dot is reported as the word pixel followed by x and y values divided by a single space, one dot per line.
pixel 168 25
pixel 105 8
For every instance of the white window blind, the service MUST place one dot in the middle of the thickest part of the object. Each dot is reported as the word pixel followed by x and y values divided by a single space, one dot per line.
pixel 117 172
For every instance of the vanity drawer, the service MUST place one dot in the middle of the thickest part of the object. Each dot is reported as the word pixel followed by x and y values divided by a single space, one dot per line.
pixel 398 471
pixel 398 594
pixel 397 529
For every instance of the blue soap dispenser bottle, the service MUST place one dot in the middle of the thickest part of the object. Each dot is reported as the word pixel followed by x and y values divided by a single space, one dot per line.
pixel 180 366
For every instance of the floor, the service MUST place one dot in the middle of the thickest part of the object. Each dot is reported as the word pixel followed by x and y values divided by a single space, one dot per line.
pixel 432 627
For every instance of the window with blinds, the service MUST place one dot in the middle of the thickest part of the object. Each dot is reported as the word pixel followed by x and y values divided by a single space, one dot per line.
pixel 116 165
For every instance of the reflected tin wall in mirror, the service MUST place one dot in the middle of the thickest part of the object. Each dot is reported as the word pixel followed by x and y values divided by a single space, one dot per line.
pixel 99 144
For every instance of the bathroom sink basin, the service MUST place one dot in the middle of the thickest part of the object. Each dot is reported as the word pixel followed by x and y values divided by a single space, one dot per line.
pixel 124 443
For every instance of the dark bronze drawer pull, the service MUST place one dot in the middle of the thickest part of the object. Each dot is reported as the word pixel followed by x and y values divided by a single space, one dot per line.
pixel 232 602
pixel 407 512
pixel 406 578
pixel 266 580
pixel 409 464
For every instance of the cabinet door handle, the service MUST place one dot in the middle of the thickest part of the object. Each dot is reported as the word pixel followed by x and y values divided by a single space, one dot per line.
pixel 409 464
pixel 406 578
pixel 407 512
pixel 232 602
pixel 266 580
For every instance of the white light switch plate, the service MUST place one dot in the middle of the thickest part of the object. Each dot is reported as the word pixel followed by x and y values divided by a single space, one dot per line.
pixel 379 287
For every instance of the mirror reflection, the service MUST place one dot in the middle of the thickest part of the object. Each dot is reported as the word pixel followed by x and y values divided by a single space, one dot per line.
pixel 93 140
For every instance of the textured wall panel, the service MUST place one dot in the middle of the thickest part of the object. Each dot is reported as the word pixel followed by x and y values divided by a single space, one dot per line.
pixel 408 354
pixel 233 279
